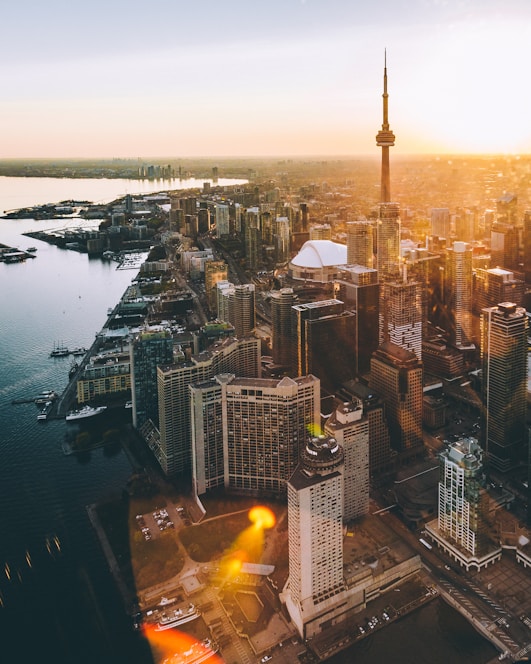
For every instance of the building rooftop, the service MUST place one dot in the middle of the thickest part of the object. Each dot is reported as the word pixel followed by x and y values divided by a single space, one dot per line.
pixel 321 253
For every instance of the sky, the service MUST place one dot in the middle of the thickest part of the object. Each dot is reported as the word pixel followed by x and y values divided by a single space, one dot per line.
pixel 177 78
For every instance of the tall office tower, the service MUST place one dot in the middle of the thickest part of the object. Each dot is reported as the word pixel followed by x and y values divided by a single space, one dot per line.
pixel 223 288
pixel 458 294
pixel 396 375
pixel 321 232
pixel 207 440
pixel 148 350
pixel 382 458
pixel 172 445
pixel 203 220
pixel 242 309
pixel 504 251
pixel 253 239
pixel 247 433
pixel 266 225
pixel 315 535
pixel 507 209
pixel 323 336
pixel 440 223
pixel 504 384
pixel 358 288
pixel 401 315
pixel 360 243
pixel 385 139
pixel 215 271
pixel 527 246
pixel 388 242
pixel 496 285
pixel 221 217
pixel 349 425
pixel 281 337
pixel 282 243
pixel 305 217
pixel 463 500
pixel 466 225
pixel 330 349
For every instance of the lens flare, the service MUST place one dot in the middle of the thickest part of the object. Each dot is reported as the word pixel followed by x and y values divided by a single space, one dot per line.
pixel 174 646
pixel 262 517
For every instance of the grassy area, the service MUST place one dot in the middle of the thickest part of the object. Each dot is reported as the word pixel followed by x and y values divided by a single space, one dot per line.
pixel 210 540
pixel 142 563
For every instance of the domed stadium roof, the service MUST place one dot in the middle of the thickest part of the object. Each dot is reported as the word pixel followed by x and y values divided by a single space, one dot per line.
pixel 320 253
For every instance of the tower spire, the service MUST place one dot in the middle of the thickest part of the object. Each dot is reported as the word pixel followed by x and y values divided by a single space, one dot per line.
pixel 385 139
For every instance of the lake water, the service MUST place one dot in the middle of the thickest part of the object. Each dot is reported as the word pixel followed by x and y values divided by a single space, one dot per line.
pixel 58 600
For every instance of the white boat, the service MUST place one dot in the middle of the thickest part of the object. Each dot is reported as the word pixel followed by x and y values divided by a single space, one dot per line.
pixel 198 652
pixel 85 411
pixel 175 617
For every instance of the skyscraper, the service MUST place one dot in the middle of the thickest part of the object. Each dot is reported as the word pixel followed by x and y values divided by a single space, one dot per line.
pixel 172 443
pixel 440 223
pixel 315 534
pixel 242 309
pixel 281 337
pixel 261 424
pixel 504 331
pixel 458 294
pixel 388 242
pixel 358 288
pixel 401 315
pixel 360 243
pixel 396 375
pixel 148 350
pixel 462 527
pixel 214 271
pixel 349 425
pixel 385 139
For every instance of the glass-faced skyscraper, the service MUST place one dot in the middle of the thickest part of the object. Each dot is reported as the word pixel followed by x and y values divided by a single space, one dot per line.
pixel 504 331
pixel 148 351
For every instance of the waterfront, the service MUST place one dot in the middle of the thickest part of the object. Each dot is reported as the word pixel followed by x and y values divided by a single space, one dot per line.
pixel 59 600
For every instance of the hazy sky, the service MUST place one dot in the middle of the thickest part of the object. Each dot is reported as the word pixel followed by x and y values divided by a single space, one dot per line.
pixel 116 78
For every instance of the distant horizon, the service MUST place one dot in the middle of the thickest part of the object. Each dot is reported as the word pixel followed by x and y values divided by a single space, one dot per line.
pixel 376 157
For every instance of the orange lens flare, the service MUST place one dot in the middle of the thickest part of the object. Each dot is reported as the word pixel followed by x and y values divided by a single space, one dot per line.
pixel 262 517
pixel 171 645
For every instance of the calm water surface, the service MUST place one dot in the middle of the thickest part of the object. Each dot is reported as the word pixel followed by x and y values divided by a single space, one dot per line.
pixel 61 606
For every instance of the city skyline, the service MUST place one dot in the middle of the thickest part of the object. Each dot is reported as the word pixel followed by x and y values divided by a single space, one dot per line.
pixel 297 78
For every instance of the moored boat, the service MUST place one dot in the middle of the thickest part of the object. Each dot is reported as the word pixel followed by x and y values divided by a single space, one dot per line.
pixel 85 411
pixel 59 350
pixel 198 652
pixel 174 617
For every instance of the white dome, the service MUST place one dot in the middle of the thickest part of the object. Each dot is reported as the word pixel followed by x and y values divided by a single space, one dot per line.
pixel 320 253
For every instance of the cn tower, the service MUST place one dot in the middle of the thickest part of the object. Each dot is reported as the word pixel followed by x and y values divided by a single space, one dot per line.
pixel 385 139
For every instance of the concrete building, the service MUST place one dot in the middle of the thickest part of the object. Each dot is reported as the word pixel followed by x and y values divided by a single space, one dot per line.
pixel 463 529
pixel 247 433
pixel 441 223
pixel 401 315
pixel 494 286
pixel 504 331
pixel 171 443
pixel 388 242
pixel 349 425
pixel 315 532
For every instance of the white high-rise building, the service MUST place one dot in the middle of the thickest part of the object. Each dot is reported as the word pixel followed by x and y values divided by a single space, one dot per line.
pixel 350 427
pixel 315 533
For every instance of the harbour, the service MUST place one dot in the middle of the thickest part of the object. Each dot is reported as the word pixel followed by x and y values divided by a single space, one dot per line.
pixel 45 493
